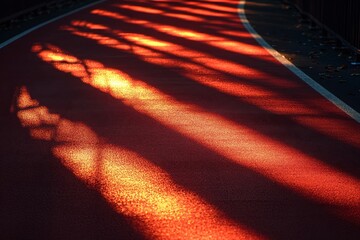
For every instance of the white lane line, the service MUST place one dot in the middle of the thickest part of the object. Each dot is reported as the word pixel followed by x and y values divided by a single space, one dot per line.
pixel 303 76
pixel 20 35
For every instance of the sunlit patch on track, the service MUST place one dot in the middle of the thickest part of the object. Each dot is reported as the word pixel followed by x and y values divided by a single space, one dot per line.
pixel 136 188
pixel 273 159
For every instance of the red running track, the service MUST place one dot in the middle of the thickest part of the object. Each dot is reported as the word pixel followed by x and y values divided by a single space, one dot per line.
pixel 166 120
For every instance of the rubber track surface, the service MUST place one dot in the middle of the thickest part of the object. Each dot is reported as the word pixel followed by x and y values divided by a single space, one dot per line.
pixel 166 120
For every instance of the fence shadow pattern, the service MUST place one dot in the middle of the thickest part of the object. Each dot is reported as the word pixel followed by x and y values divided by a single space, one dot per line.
pixel 179 126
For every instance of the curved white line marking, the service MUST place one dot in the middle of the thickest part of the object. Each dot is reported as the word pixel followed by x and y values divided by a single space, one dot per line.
pixel 20 35
pixel 303 76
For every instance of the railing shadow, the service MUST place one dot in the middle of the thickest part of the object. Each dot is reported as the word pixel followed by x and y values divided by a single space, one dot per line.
pixel 243 195
pixel 151 73
pixel 41 199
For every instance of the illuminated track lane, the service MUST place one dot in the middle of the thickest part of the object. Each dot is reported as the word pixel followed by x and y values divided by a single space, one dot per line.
pixel 238 143
pixel 300 111
pixel 200 45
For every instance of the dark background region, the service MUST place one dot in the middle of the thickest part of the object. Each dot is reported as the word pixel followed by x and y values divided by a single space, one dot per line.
pixel 20 15
pixel 282 26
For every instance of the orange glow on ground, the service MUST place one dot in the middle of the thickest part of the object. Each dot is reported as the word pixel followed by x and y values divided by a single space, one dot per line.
pixel 212 7
pixel 283 164
pixel 89 25
pixel 146 40
pixel 219 42
pixel 308 115
pixel 141 9
pixel 135 188
pixel 239 34
pixel 36 115
pixel 100 39
pixel 184 17
pixel 108 14
pixel 200 12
